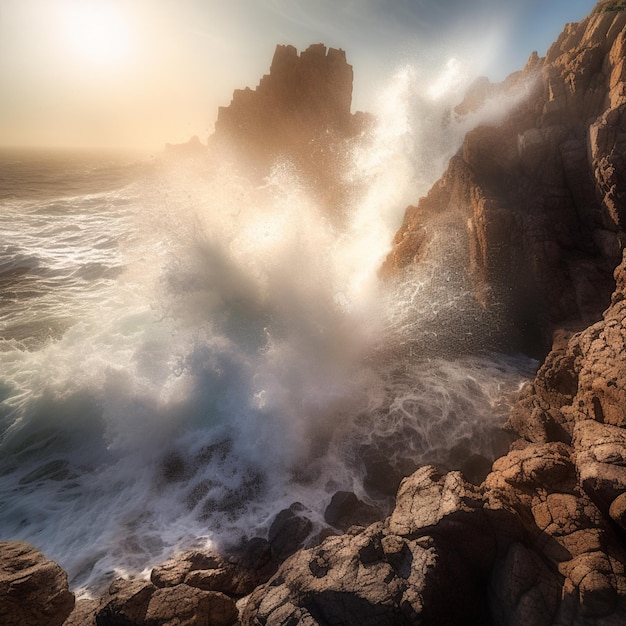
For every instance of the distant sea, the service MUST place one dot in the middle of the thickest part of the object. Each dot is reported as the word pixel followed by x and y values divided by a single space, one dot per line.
pixel 184 353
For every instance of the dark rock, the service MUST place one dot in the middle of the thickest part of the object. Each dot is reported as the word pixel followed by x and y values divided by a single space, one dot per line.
pixel 346 510
pixel 289 531
pixel 33 590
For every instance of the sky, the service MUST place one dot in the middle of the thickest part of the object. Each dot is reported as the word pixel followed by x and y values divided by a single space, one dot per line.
pixel 140 73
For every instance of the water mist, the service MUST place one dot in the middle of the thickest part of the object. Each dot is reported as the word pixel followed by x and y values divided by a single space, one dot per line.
pixel 209 349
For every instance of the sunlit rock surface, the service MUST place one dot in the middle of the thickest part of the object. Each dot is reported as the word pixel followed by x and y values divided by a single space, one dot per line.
pixel 33 589
pixel 542 195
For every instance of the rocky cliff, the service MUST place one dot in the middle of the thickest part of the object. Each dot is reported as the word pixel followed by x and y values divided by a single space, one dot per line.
pixel 542 195
pixel 542 540
pixel 300 113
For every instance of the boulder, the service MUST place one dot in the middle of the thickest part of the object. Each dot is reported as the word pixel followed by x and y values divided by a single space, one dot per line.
pixel 140 603
pixel 183 605
pixel 289 530
pixel 33 589
pixel 125 603
pixel 345 510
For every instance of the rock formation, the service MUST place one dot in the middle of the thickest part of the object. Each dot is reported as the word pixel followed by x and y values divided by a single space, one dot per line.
pixel 542 539
pixel 539 542
pixel 299 113
pixel 542 194
pixel 33 589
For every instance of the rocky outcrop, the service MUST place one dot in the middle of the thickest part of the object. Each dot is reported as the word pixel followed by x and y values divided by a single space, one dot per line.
pixel 526 547
pixel 302 96
pixel 299 112
pixel 139 603
pixel 541 196
pixel 33 589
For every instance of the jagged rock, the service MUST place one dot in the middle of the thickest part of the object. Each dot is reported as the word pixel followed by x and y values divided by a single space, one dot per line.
pixel 302 94
pixel 33 589
pixel 300 112
pixel 542 193
pixel 394 572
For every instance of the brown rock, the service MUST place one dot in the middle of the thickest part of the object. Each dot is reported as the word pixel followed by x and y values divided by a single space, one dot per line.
pixel 397 572
pixel 126 602
pixel 236 575
pixel 300 111
pixel 183 605
pixel 617 510
pixel 84 613
pixel 175 570
pixel 33 590
pixel 542 194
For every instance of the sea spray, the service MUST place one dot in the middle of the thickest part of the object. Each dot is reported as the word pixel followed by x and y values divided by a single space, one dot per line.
pixel 205 349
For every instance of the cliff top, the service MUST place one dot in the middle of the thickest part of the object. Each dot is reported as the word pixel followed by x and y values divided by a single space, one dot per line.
pixel 606 6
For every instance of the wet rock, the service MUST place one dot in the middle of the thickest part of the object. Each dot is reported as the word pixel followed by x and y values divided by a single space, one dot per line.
pixel 393 572
pixel 33 589
pixel 541 195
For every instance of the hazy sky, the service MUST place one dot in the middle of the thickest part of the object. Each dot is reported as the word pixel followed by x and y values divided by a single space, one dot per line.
pixel 143 72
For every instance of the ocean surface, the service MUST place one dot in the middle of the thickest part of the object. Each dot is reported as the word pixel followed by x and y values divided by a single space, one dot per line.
pixel 185 352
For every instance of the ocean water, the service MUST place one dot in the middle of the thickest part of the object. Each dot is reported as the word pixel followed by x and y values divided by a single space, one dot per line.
pixel 185 352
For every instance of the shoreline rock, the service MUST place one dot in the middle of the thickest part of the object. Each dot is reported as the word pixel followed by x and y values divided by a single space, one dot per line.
pixel 541 540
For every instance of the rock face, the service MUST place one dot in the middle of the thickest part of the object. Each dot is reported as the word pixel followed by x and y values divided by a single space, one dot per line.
pixel 542 195
pixel 299 112
pixel 302 96
pixel 33 589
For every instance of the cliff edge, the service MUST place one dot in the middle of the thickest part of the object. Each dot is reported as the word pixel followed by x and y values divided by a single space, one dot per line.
pixel 542 195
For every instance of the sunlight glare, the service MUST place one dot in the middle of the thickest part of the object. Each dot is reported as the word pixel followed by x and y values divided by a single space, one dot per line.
pixel 96 31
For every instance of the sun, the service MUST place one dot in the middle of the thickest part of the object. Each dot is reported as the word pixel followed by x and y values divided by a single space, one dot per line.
pixel 96 31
